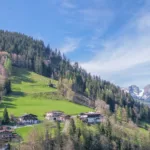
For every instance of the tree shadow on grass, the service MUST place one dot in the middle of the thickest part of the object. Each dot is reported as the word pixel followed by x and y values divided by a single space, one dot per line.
pixel 17 93
pixel 13 95
pixel 7 105
pixel 20 75
pixel 8 99
pixel 6 102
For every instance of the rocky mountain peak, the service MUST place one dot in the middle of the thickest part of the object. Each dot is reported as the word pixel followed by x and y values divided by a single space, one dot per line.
pixel 137 93
pixel 134 89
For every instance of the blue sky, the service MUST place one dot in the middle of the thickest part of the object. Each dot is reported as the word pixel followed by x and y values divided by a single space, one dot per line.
pixel 110 38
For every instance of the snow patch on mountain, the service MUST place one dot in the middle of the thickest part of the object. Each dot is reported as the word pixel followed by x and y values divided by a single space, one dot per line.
pixel 141 93
pixel 137 93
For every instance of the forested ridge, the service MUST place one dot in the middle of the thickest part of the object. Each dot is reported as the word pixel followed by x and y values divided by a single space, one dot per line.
pixel 27 52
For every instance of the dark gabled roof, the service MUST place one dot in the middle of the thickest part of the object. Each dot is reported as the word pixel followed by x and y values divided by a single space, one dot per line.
pixel 28 115
pixel 93 115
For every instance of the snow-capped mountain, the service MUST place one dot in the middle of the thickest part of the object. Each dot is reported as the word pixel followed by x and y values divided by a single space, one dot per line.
pixel 137 93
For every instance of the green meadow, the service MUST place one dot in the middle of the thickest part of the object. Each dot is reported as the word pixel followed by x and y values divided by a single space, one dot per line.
pixel 31 94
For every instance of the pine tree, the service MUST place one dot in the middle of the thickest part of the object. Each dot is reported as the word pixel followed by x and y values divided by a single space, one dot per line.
pixel 59 141
pixel 5 117
pixel 72 127
pixel 119 114
pixel 58 132
pixel 8 86
pixel 124 115
pixel 47 140
pixel 78 133
pixel 108 129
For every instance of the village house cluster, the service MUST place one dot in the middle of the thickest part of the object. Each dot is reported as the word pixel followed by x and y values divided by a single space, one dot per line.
pixel 29 119
pixel 89 117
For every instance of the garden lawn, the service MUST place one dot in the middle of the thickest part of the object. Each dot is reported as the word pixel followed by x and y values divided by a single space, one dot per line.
pixel 24 131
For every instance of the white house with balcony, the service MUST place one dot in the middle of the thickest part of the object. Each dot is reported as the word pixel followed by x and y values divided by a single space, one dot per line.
pixel 28 119
pixel 91 117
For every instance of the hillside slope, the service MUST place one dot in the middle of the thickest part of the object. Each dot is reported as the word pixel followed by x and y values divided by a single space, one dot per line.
pixel 27 52
pixel 31 94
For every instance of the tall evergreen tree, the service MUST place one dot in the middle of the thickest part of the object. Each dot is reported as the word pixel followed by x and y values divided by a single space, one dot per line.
pixel 108 129
pixel 5 117
pixel 72 127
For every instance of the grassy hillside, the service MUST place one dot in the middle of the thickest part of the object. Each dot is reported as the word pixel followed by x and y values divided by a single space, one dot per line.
pixel 25 131
pixel 31 94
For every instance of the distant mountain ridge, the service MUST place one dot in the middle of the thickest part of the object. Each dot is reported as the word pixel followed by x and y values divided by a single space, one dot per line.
pixel 137 93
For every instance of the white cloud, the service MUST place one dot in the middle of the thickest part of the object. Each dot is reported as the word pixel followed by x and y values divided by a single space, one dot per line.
pixel 96 18
pixel 126 50
pixel 94 15
pixel 70 44
pixel 137 75
pixel 68 4
pixel 144 22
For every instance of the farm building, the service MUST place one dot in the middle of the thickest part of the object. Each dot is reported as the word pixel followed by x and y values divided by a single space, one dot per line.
pixel 28 119
pixel 56 116
pixel 91 117
pixel 6 132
